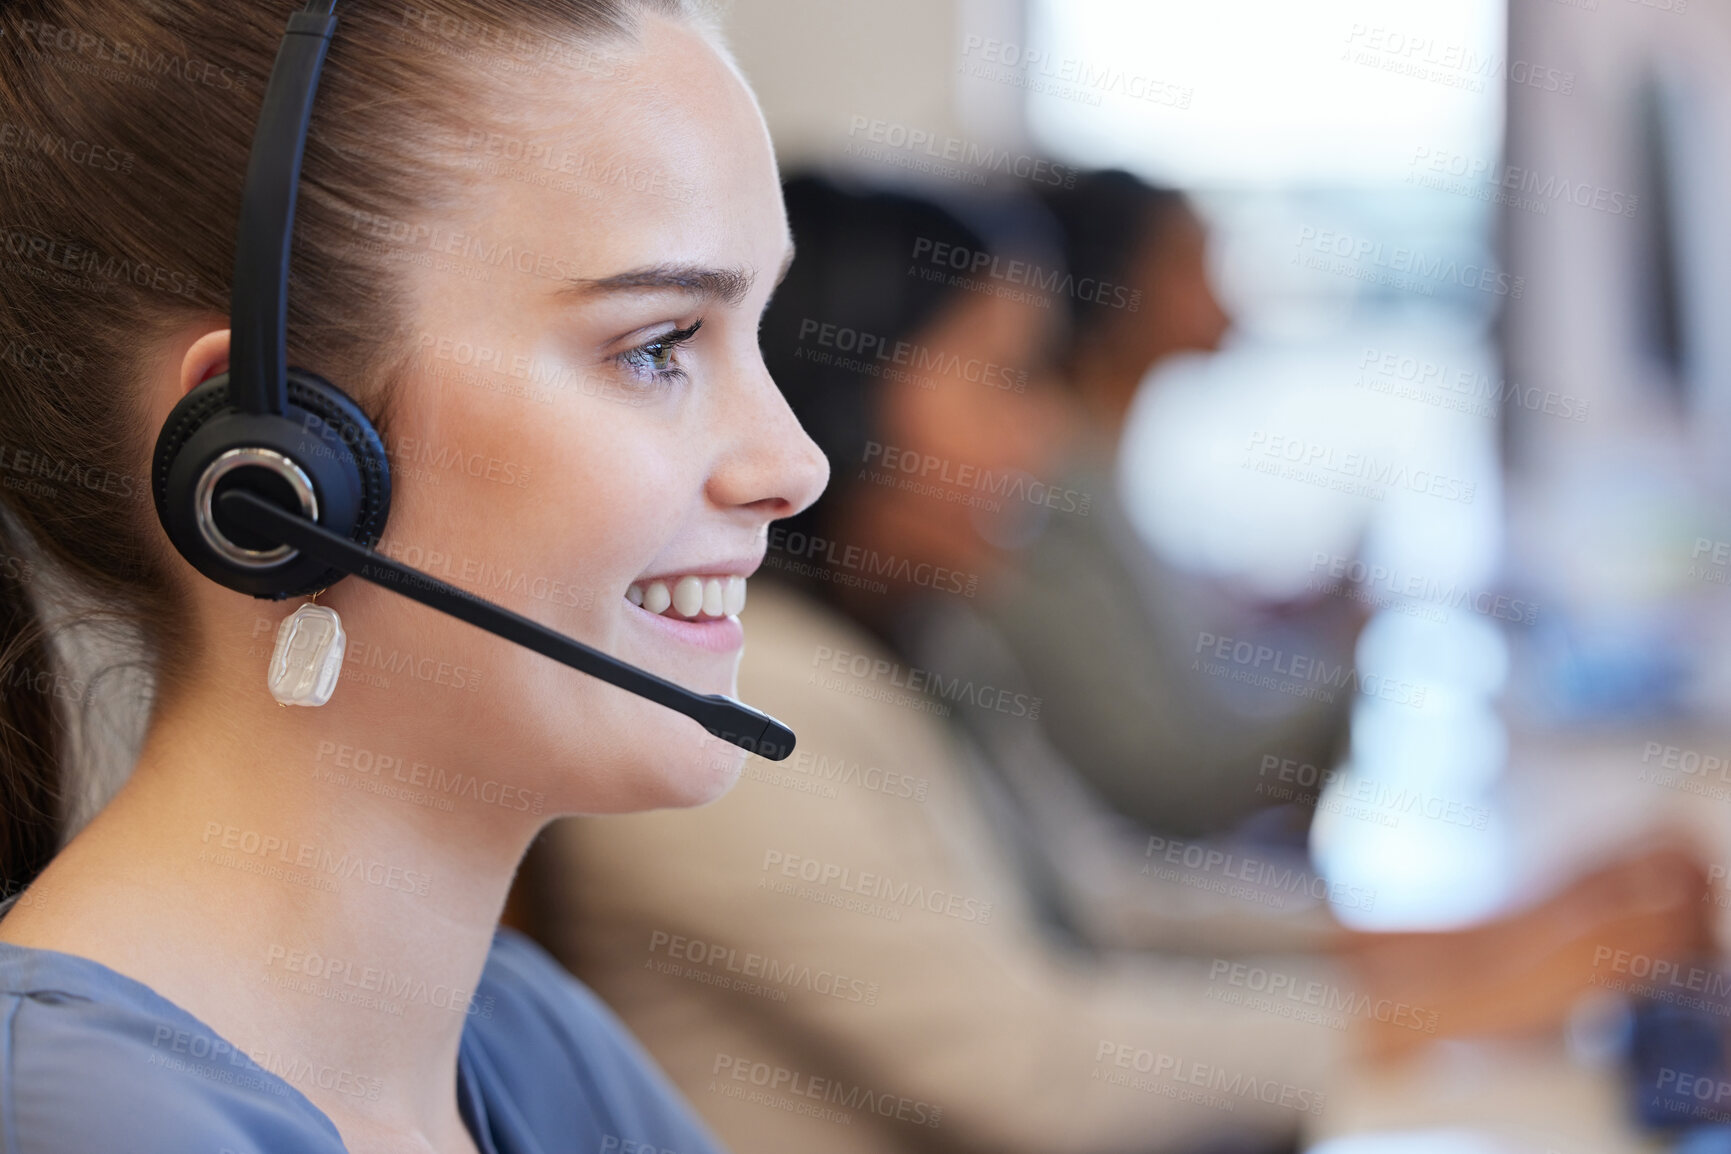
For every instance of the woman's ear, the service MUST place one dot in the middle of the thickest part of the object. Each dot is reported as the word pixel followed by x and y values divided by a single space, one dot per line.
pixel 207 357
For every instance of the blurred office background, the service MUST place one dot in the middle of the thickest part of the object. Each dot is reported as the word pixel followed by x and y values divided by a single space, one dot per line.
pixel 1476 259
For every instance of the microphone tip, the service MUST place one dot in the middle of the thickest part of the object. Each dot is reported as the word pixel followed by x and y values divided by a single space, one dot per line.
pixel 776 743
pixel 768 738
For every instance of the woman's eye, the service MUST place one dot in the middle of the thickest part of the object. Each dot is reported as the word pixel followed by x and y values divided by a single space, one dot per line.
pixel 653 360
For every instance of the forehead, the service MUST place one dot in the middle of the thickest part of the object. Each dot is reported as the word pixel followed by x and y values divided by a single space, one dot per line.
pixel 653 143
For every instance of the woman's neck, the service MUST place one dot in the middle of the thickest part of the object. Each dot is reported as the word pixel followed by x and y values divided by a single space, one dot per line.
pixel 320 887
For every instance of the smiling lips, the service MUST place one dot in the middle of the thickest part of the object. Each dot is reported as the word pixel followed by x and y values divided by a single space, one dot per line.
pixel 691 598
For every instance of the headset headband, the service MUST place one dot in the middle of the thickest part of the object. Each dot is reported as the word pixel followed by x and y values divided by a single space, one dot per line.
pixel 258 354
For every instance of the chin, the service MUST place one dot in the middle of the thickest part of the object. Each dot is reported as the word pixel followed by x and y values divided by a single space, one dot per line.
pixel 705 779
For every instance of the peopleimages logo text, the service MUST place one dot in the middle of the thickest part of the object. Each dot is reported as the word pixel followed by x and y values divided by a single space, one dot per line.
pixel 959 151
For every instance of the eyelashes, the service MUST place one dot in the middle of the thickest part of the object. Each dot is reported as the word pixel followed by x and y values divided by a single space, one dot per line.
pixel 652 361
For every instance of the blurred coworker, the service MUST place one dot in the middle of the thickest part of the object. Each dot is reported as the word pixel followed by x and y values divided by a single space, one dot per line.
pixel 1107 631
pixel 848 952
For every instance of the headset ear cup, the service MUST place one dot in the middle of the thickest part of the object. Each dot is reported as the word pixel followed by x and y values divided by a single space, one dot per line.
pixel 324 442
pixel 346 425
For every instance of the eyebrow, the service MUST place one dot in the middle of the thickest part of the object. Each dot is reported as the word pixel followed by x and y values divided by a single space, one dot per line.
pixel 728 285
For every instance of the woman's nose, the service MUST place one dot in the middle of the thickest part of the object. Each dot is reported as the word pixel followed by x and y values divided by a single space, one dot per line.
pixel 776 463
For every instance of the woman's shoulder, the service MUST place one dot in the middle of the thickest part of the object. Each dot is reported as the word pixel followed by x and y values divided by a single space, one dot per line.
pixel 781 615
pixel 841 688
pixel 542 1041
pixel 805 657
pixel 92 1060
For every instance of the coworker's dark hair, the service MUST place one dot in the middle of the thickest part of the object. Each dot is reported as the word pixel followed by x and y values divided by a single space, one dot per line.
pixel 125 127
pixel 855 269
pixel 1107 217
pixel 850 272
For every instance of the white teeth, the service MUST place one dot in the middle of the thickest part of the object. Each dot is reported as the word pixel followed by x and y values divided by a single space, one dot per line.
pixel 688 596
pixel 691 596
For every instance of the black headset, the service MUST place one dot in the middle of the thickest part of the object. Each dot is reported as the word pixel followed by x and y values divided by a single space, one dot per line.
pixel 271 480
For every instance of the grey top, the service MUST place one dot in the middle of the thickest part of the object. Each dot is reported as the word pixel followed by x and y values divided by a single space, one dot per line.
pixel 1109 636
pixel 92 1061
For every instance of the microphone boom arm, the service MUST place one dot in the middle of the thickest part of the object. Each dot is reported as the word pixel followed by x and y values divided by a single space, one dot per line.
pixel 723 716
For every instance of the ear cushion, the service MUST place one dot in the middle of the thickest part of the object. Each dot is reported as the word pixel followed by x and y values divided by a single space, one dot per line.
pixel 352 428
pixel 323 431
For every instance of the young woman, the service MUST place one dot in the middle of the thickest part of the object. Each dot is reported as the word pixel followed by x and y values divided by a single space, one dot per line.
pixel 534 241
